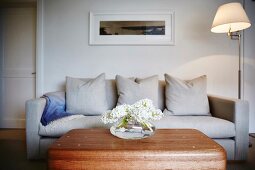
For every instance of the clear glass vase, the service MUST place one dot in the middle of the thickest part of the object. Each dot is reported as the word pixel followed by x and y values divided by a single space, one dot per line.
pixel 132 129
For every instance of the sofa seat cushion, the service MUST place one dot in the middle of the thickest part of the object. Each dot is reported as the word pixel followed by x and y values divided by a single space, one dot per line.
pixel 211 126
pixel 61 126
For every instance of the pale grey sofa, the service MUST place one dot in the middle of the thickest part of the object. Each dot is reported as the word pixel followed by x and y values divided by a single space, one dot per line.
pixel 228 124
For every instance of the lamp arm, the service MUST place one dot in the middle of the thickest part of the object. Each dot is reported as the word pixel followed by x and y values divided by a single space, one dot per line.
pixel 234 35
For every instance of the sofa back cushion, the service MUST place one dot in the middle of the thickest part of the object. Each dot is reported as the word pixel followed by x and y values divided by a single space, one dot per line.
pixel 86 96
pixel 186 97
pixel 112 96
pixel 111 93
pixel 130 91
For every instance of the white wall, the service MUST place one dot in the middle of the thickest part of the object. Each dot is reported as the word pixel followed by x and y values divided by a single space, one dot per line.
pixel 249 63
pixel 197 51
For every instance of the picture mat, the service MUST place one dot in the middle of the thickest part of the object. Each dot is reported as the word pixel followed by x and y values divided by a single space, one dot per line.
pixel 97 39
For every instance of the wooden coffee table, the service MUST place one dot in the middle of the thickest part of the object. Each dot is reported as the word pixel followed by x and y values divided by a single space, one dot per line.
pixel 166 149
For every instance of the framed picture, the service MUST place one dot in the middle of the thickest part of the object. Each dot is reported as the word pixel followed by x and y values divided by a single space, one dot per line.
pixel 131 28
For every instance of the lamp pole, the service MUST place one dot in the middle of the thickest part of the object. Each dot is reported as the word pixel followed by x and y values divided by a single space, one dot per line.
pixel 239 66
pixel 237 36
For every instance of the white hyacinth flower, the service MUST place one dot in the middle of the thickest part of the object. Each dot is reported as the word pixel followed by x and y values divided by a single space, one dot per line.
pixel 142 111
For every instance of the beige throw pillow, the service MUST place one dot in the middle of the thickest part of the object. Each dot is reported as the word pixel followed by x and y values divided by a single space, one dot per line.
pixel 130 91
pixel 86 96
pixel 186 97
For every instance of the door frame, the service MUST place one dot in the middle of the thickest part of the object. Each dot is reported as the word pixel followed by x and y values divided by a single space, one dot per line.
pixel 39 81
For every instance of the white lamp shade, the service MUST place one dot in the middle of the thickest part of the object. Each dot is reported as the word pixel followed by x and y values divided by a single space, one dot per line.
pixel 230 17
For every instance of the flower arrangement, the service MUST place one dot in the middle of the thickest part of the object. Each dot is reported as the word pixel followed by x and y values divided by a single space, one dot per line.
pixel 141 112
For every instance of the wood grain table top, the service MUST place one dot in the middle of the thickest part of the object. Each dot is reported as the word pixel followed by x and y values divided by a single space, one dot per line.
pixel 168 146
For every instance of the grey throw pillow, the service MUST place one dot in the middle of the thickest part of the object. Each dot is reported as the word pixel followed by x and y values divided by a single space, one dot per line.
pixel 186 97
pixel 86 96
pixel 130 91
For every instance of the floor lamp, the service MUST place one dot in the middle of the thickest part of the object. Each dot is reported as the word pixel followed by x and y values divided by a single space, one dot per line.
pixel 231 19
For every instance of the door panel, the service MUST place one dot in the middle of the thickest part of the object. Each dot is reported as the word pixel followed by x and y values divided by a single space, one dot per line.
pixel 17 64
pixel 17 91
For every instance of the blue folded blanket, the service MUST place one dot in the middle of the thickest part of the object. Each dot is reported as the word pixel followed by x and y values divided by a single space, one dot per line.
pixel 55 107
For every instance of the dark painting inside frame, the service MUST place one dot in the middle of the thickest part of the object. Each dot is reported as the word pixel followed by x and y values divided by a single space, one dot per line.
pixel 132 28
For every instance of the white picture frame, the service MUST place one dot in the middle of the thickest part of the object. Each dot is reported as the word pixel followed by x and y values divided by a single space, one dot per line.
pixel 97 16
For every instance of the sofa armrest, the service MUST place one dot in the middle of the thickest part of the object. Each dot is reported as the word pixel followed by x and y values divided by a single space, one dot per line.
pixel 236 111
pixel 34 110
